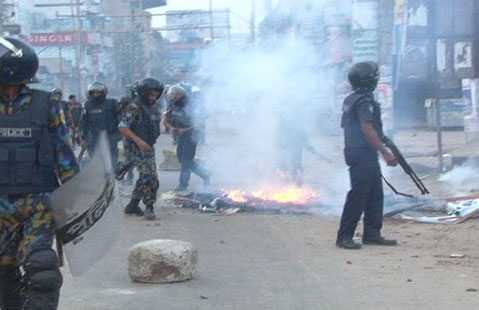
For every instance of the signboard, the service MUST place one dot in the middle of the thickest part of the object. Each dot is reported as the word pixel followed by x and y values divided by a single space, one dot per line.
pixel 61 38
pixel 470 92
pixel 53 39
pixel 196 24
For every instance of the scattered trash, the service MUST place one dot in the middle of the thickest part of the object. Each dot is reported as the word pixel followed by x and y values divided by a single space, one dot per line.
pixel 458 212
pixel 456 255
pixel 231 211
pixel 471 290
pixel 114 291
pixel 409 280
pixel 222 204
pixel 204 297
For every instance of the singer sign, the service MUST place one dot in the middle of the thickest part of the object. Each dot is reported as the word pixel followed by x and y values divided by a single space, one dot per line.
pixel 54 39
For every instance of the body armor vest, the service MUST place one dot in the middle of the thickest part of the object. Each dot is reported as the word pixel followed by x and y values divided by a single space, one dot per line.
pixel 27 162
pixel 148 125
pixel 353 134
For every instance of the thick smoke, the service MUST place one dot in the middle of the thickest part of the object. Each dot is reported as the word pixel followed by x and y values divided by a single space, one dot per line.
pixel 261 96
pixel 463 179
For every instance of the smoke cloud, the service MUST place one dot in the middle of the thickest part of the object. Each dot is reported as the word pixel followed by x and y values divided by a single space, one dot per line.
pixel 463 179
pixel 264 103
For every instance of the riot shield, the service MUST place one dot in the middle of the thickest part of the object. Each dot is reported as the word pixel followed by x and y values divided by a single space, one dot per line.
pixel 86 220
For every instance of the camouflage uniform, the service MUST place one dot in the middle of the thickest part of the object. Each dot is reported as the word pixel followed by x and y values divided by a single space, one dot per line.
pixel 147 185
pixel 27 225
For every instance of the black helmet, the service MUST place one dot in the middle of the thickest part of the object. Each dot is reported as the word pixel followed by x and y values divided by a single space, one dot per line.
pixel 364 76
pixel 97 87
pixel 18 62
pixel 149 84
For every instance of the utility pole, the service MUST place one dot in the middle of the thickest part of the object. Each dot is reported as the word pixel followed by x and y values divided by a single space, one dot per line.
pixel 228 33
pixel 75 7
pixel 268 6
pixel 253 22
pixel 62 71
pixel 212 31
pixel 440 149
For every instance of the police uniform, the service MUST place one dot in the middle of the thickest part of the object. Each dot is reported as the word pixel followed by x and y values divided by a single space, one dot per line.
pixel 144 121
pixel 182 117
pixel 75 113
pixel 366 194
pixel 34 152
pixel 101 116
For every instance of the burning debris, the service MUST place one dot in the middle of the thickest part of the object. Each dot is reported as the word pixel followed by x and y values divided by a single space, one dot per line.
pixel 289 200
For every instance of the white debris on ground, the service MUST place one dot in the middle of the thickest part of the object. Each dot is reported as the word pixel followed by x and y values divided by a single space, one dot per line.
pixel 458 212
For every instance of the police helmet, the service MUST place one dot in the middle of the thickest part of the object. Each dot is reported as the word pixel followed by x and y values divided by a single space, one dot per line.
pixel 175 94
pixel 97 87
pixel 18 62
pixel 364 75
pixel 56 94
pixel 144 86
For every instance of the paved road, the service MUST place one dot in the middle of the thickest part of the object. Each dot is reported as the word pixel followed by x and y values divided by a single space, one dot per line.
pixel 268 262
pixel 274 262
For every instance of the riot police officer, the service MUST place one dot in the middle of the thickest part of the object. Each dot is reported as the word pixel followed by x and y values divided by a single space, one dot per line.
pixel 57 97
pixel 180 119
pixel 100 114
pixel 140 125
pixel 35 153
pixel 74 111
pixel 363 132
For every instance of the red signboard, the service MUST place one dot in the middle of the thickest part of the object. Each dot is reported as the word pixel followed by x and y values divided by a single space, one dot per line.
pixel 53 39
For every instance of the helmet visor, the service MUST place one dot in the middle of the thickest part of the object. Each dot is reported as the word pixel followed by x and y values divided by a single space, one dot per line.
pixel 6 48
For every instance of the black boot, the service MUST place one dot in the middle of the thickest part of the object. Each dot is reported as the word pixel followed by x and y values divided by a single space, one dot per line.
pixel 348 244
pixel 379 241
pixel 133 208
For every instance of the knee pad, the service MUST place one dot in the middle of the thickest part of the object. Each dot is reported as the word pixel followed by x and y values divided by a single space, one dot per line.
pixel 46 281
pixel 42 271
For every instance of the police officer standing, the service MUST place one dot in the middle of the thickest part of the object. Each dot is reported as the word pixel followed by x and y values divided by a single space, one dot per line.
pixel 100 114
pixel 56 96
pixel 140 125
pixel 75 111
pixel 361 121
pixel 180 119
pixel 35 153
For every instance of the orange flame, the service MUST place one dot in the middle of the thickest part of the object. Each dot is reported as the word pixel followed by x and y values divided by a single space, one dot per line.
pixel 291 194
pixel 237 196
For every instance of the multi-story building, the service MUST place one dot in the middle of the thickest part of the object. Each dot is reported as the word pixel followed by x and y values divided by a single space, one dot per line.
pixel 134 41
pixel 436 55
pixel 80 43
pixel 69 40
